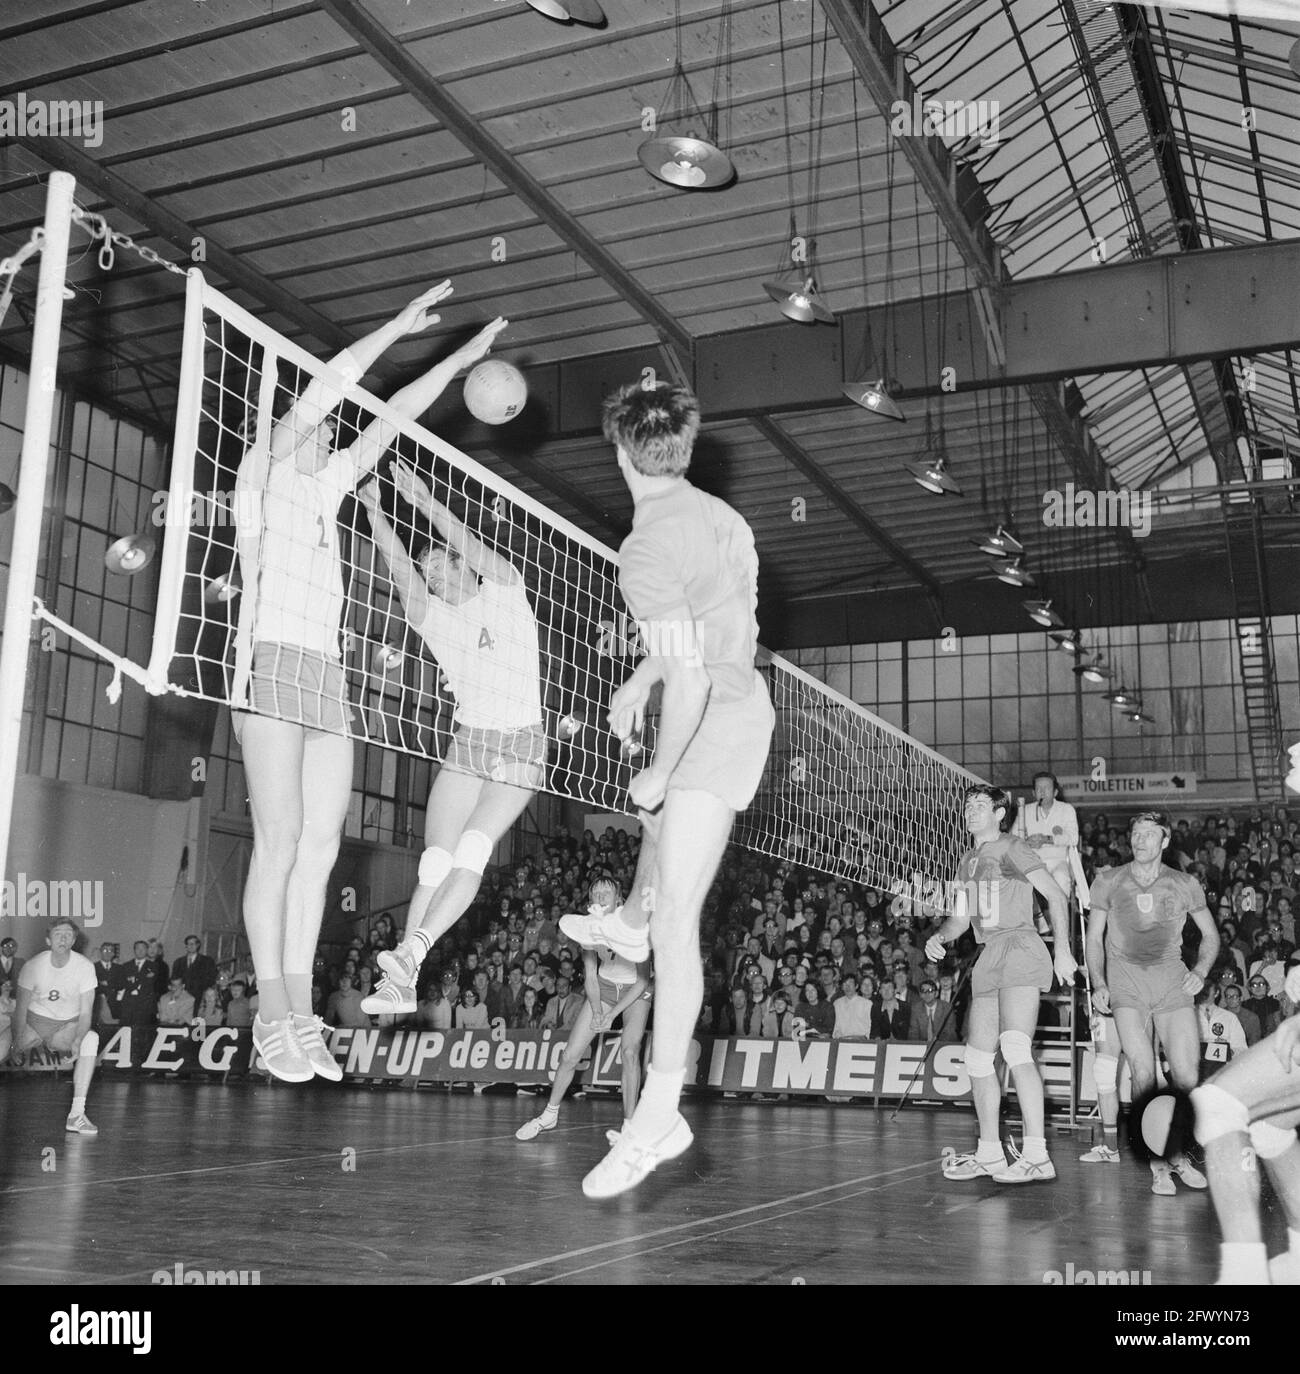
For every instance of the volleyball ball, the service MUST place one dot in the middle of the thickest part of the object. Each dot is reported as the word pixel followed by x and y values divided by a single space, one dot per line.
pixel 495 392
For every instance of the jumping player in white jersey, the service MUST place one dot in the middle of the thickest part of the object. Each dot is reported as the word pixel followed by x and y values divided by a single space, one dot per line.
pixel 615 987
pixel 1249 1111
pixel 471 608
pixel 289 698
pixel 56 1001
pixel 1135 934
pixel 993 895
pixel 689 575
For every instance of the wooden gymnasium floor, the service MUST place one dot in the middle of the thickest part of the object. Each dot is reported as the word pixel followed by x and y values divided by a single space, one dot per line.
pixel 253 1177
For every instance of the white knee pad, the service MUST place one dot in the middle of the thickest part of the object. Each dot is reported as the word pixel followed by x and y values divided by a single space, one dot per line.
pixel 90 1047
pixel 1016 1048
pixel 1270 1141
pixel 979 1063
pixel 1105 1073
pixel 473 850
pixel 435 864
pixel 1218 1113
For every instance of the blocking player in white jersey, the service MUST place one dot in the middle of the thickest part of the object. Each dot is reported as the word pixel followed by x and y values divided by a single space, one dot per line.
pixel 289 698
pixel 1247 1112
pixel 56 1001
pixel 1135 934
pixel 689 575
pixel 471 608
pixel 615 987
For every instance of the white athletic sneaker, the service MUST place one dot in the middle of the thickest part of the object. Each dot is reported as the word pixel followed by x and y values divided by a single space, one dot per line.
pixel 390 998
pixel 1162 1180
pixel 1191 1176
pixel 399 964
pixel 530 1130
pixel 80 1124
pixel 308 1030
pixel 966 1166
pixel 282 1056
pixel 1100 1154
pixel 592 931
pixel 1022 1170
pixel 630 1160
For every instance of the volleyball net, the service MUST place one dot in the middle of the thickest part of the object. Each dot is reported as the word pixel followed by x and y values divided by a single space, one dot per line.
pixel 298 507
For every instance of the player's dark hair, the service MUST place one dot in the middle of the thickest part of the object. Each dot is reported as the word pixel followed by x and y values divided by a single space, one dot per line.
pixel 1160 818
pixel 999 797
pixel 654 426
pixel 1047 773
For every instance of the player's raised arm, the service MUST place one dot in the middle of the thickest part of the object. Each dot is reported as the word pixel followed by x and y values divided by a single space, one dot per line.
pixel 320 396
pixel 402 572
pixel 413 400
pixel 481 560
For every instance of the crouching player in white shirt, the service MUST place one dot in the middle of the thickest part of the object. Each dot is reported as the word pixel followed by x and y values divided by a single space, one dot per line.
pixel 56 999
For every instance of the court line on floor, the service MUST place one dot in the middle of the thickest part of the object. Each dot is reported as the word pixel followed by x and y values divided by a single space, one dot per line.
pixel 264 1163
pixel 725 1231
pixel 688 1225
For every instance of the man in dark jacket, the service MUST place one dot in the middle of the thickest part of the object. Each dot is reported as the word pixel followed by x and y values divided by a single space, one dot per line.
pixel 198 972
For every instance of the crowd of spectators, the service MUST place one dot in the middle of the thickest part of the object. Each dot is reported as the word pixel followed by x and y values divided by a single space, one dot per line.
pixel 786 951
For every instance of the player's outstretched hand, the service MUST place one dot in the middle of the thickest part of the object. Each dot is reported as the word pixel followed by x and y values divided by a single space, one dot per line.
pixel 419 314
pixel 411 487
pixel 368 494
pixel 470 353
pixel 648 789
pixel 1066 967
pixel 935 948
pixel 1286 1043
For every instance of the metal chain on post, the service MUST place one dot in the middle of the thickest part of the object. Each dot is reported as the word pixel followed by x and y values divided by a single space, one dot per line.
pixel 10 267
pixel 109 238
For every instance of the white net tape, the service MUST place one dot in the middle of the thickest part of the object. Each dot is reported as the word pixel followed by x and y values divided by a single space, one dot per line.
pixel 273 591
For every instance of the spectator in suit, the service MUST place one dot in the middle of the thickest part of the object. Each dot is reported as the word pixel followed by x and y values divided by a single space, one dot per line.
pixel 889 1019
pixel 161 975
pixel 1266 1007
pixel 177 1007
pixel 137 998
pixel 197 972
pixel 512 995
pixel 562 1010
pixel 10 964
pixel 108 976
pixel 928 1014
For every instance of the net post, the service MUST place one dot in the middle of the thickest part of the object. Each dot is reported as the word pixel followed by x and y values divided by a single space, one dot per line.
pixel 30 502
pixel 178 509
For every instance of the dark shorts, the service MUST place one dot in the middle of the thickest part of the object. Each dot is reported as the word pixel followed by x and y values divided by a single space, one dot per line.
pixel 300 686
pixel 514 756
pixel 1014 959
pixel 728 753
pixel 41 1030
pixel 1151 989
